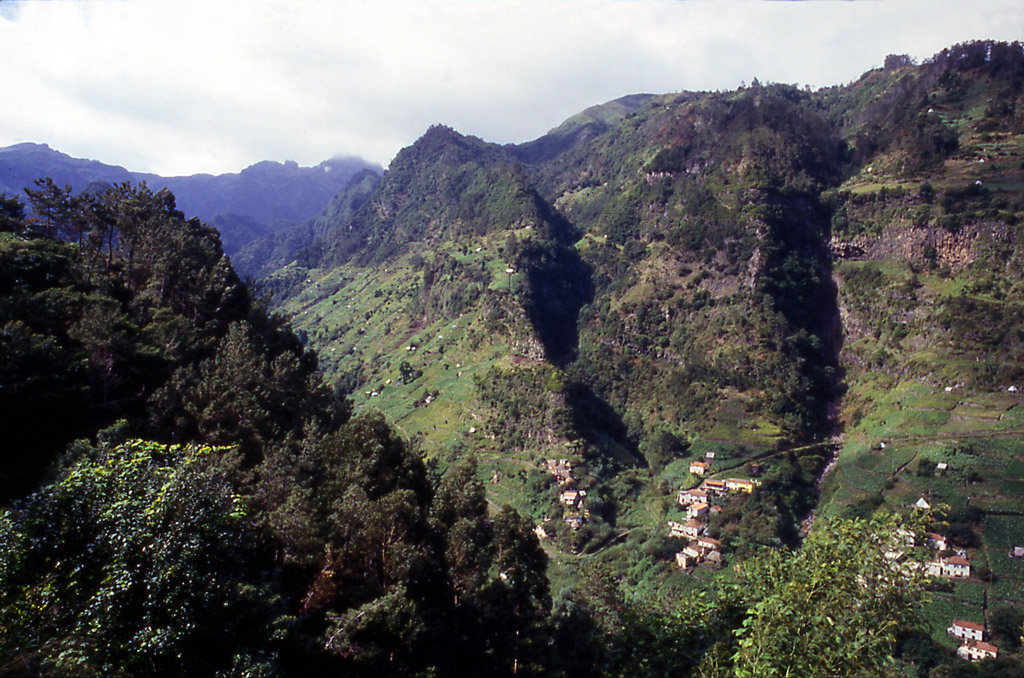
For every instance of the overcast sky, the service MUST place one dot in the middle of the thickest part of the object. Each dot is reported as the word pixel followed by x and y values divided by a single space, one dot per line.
pixel 179 87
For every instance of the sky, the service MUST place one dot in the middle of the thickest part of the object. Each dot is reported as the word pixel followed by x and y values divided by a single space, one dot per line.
pixel 187 86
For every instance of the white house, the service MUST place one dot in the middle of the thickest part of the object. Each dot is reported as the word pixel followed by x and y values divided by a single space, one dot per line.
pixel 977 650
pixel 966 630
pixel 956 566
pixel 709 544
pixel 953 567
pixel 687 497
pixel 692 528
pixel 699 467
pixel 697 510
pixel 715 486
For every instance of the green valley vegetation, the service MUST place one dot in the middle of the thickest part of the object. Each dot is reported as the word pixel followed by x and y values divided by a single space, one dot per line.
pixel 708 384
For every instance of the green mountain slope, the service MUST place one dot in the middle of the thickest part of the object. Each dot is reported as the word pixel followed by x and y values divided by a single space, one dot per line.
pixel 768 275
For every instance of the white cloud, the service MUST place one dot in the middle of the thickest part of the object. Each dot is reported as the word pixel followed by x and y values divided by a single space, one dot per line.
pixel 182 87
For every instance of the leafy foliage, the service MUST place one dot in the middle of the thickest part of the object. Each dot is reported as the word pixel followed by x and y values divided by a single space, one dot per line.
pixel 835 607
pixel 138 560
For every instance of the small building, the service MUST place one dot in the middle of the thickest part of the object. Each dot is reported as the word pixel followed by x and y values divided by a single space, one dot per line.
pixel 687 497
pixel 941 466
pixel 740 485
pixel 714 558
pixel 684 560
pixel 976 650
pixel 957 566
pixel 574 522
pixel 676 529
pixel 573 498
pixel 1017 552
pixel 966 630
pixel 922 504
pixel 692 528
pixel 693 552
pixel 709 544
pixel 715 486
pixel 561 469
pixel 697 510
pixel 699 468
pixel 937 541
pixel 755 468
pixel 540 532
pixel 906 536
pixel 709 455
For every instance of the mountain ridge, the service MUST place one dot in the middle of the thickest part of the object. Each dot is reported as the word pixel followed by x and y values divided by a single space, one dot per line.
pixel 715 234
pixel 256 201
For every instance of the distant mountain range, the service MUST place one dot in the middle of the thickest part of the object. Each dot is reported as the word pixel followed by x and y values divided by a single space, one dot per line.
pixel 258 201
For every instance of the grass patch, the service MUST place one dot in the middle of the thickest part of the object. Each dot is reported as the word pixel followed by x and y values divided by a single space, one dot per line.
pixel 1004 532
pixel 940 613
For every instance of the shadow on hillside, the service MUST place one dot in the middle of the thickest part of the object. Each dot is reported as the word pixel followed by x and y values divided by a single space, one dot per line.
pixel 601 428
pixel 558 285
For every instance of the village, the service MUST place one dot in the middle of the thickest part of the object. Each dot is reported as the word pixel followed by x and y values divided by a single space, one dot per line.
pixel 699 505
pixel 702 550
pixel 573 501
pixel 948 563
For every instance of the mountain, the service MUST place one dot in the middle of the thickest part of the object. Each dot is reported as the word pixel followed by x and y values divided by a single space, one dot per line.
pixel 182 495
pixel 580 128
pixel 22 164
pixel 261 199
pixel 824 284
pixel 257 201
pixel 264 255
pixel 800 312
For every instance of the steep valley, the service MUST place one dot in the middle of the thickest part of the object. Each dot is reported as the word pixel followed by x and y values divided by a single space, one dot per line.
pixel 763 275
pixel 599 401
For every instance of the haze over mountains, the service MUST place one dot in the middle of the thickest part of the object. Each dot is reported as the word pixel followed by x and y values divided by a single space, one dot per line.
pixel 256 201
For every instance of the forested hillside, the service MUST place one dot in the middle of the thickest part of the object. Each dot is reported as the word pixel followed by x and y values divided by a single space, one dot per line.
pixel 663 392
pixel 754 278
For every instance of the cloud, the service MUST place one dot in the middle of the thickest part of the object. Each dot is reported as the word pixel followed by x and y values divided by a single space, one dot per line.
pixel 182 87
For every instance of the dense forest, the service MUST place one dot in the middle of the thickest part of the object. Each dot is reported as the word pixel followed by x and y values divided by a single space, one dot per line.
pixel 451 431
pixel 220 512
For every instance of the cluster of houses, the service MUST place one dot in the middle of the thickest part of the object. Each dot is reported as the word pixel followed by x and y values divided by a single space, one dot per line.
pixel 561 469
pixel 973 645
pixel 576 511
pixel 701 548
pixel 572 500
pixel 972 641
pixel 953 567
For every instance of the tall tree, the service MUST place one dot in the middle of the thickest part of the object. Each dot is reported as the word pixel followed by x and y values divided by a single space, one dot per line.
pixel 51 203
pixel 833 608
